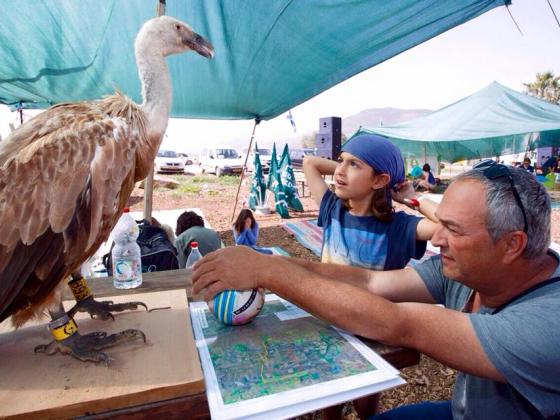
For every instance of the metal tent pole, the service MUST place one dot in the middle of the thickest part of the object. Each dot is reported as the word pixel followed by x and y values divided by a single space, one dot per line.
pixel 257 121
pixel 149 181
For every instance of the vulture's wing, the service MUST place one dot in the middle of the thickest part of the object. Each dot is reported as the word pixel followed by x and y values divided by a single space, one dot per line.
pixel 61 176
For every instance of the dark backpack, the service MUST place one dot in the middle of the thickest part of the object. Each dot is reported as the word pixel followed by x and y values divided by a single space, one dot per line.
pixel 157 251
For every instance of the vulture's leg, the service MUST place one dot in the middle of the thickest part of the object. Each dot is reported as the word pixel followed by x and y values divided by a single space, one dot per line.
pixel 85 301
pixel 67 340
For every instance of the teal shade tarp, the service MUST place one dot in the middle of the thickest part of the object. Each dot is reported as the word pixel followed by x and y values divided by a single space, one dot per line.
pixel 270 55
pixel 491 122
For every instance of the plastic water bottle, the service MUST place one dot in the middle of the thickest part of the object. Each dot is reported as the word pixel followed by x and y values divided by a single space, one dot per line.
pixel 126 256
pixel 194 256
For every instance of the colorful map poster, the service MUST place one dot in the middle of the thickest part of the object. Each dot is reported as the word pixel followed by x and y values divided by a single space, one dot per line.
pixel 282 364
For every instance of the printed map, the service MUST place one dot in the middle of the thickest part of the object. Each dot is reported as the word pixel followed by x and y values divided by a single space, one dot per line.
pixel 268 355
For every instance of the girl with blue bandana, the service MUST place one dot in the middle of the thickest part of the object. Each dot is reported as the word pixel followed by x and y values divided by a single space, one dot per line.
pixel 360 226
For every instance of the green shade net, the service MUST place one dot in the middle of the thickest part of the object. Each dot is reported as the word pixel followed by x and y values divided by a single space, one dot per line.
pixel 491 122
pixel 270 55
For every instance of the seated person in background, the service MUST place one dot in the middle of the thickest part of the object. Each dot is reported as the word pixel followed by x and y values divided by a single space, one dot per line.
pixel 428 182
pixel 246 228
pixel 190 227
pixel 246 231
pixel 497 279
pixel 551 165
pixel 527 165
pixel 168 230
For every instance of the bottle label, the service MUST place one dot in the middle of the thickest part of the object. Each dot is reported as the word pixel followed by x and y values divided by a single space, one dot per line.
pixel 127 269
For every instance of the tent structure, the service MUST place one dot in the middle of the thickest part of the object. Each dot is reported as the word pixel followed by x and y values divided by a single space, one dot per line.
pixel 491 122
pixel 269 55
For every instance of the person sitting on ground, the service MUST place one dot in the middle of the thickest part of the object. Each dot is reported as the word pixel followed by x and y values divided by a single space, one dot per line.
pixel 427 180
pixel 496 277
pixel 527 165
pixel 360 226
pixel 168 229
pixel 551 165
pixel 246 231
pixel 190 228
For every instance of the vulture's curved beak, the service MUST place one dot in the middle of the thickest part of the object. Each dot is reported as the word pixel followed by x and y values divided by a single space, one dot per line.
pixel 197 43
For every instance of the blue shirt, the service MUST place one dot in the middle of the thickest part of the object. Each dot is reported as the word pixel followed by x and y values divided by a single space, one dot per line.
pixel 521 339
pixel 247 236
pixel 431 179
pixel 364 241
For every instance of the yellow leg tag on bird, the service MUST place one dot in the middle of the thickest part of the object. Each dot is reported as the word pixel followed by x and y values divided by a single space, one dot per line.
pixel 80 289
pixel 64 331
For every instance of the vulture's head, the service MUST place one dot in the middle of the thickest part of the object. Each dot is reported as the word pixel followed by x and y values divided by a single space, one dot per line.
pixel 171 36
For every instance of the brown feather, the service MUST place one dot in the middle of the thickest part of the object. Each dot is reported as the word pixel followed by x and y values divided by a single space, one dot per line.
pixel 66 176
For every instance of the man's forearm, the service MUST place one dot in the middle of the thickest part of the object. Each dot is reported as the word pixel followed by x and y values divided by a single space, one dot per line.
pixel 356 276
pixel 340 303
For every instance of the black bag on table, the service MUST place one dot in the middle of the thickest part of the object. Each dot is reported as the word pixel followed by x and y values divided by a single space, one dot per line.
pixel 157 251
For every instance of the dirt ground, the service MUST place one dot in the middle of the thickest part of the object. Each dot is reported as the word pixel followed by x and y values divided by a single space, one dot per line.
pixel 429 380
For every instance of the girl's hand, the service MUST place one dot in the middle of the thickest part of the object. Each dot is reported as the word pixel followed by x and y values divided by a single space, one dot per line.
pixel 403 193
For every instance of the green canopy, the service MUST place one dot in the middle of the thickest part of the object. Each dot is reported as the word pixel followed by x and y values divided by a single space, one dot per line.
pixel 491 122
pixel 270 55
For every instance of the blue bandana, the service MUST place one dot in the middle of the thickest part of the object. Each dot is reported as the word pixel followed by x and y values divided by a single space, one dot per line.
pixel 379 153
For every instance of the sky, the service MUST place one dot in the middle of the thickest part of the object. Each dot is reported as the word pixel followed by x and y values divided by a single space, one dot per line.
pixel 431 75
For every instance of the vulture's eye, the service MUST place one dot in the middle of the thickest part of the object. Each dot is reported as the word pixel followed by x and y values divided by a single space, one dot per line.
pixel 178 27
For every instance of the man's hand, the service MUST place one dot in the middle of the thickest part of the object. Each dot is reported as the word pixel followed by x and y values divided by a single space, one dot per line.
pixel 237 268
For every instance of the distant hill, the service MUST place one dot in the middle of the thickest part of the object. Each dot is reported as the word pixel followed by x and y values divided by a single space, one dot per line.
pixel 375 117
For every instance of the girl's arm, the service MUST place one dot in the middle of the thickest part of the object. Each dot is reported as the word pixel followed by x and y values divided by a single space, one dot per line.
pixel 247 236
pixel 314 168
pixel 252 234
pixel 425 230
pixel 405 194
pixel 426 227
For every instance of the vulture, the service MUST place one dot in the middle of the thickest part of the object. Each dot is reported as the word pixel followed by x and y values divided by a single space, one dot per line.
pixel 65 178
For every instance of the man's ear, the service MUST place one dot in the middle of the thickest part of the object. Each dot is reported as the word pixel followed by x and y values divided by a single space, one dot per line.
pixel 514 244
pixel 380 181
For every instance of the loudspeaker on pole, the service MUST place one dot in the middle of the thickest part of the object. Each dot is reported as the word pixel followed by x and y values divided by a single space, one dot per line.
pixel 329 138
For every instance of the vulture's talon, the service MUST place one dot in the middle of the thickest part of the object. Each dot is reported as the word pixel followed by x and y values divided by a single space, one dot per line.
pixel 102 310
pixel 87 347
pixel 48 349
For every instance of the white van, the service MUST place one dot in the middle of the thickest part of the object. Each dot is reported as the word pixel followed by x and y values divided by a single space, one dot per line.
pixel 221 160
pixel 265 156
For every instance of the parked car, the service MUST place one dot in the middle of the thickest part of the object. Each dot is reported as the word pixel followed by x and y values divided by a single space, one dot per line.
pixel 169 161
pixel 265 156
pixel 188 160
pixel 297 155
pixel 221 160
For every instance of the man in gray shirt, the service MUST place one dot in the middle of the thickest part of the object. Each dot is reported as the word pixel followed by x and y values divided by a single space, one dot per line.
pixel 497 279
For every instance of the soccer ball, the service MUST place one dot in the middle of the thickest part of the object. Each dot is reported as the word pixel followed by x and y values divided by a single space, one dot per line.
pixel 237 307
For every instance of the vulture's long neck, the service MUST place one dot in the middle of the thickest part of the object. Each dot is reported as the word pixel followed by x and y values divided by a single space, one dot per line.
pixel 156 88
pixel 156 95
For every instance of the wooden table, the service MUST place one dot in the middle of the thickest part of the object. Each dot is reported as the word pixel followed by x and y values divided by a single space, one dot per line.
pixel 196 406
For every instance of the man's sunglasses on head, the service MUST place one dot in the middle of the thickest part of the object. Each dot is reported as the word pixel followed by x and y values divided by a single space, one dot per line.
pixel 493 170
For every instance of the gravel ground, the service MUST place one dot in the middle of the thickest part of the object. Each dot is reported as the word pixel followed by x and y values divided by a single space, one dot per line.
pixel 428 380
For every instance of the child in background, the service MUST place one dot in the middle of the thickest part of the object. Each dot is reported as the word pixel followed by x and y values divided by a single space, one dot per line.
pixel 246 231
pixel 360 226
